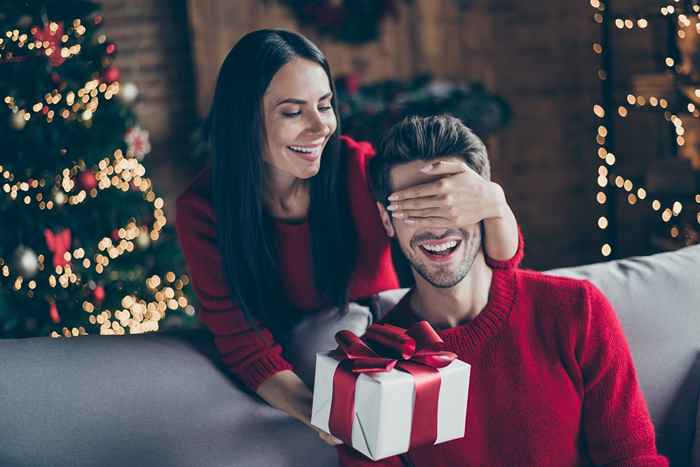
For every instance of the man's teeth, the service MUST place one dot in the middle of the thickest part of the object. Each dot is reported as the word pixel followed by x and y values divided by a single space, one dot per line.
pixel 441 246
pixel 306 150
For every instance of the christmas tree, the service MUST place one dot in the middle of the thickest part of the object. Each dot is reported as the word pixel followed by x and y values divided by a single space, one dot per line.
pixel 84 244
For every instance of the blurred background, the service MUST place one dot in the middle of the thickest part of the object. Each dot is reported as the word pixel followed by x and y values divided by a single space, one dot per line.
pixel 588 109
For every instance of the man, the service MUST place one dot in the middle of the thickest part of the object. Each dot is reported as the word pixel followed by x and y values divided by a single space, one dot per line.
pixel 552 379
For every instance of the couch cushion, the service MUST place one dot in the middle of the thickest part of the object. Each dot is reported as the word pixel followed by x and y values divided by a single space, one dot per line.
pixel 657 299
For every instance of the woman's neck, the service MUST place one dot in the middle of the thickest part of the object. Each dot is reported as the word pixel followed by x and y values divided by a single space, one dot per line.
pixel 286 196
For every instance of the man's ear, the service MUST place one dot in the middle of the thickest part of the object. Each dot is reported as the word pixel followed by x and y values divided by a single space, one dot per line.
pixel 386 220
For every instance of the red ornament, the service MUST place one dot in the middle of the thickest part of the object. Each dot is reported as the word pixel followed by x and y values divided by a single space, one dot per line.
pixel 99 294
pixel 58 244
pixel 111 48
pixel 97 20
pixel 111 74
pixel 53 313
pixel 88 180
pixel 115 235
pixel 54 40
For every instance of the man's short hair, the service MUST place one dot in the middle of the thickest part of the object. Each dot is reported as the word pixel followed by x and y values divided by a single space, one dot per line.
pixel 425 138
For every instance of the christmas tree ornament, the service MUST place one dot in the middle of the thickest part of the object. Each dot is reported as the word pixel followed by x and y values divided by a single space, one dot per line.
pixel 111 74
pixel 58 244
pixel 143 240
pixel 53 313
pixel 99 294
pixel 128 92
pixel 59 197
pixel 87 180
pixel 111 48
pixel 26 262
pixel 137 142
pixel 17 120
pixel 51 33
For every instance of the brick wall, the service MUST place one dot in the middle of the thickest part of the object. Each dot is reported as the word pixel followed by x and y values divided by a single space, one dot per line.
pixel 153 44
pixel 536 54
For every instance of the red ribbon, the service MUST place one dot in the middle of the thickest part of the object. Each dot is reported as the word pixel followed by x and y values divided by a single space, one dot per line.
pixel 415 351
pixel 58 243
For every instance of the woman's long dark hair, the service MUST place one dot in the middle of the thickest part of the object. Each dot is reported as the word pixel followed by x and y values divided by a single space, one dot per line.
pixel 236 125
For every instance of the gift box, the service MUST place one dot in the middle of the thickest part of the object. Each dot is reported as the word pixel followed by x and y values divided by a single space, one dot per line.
pixel 391 391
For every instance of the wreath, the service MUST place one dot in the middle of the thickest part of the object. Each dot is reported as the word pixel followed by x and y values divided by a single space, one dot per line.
pixel 350 21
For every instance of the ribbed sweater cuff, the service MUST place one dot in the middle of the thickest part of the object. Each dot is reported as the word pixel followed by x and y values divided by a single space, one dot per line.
pixel 260 370
pixel 513 262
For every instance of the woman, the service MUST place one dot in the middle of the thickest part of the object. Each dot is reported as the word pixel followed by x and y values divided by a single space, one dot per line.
pixel 284 223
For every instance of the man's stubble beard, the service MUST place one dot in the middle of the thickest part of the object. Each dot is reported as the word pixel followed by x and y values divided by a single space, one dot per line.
pixel 447 279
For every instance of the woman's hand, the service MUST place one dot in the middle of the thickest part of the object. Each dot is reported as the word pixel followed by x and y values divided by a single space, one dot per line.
pixel 287 392
pixel 328 438
pixel 460 197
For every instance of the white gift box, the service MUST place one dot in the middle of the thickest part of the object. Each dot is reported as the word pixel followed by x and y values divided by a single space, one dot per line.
pixel 384 406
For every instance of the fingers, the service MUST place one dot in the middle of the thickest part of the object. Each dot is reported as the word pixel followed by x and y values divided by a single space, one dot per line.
pixel 417 203
pixel 419 191
pixel 432 222
pixel 329 439
pixel 411 213
pixel 445 167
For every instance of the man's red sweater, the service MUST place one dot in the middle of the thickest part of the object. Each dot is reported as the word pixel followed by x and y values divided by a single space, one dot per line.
pixel 254 358
pixel 552 381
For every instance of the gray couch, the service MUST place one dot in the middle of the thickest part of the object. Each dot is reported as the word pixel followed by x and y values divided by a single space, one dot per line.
pixel 162 400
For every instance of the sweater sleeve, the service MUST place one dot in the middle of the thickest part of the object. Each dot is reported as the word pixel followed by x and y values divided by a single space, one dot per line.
pixel 512 263
pixel 617 427
pixel 250 356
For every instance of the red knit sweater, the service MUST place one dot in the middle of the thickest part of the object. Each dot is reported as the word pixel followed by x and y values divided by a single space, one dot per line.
pixel 254 358
pixel 552 381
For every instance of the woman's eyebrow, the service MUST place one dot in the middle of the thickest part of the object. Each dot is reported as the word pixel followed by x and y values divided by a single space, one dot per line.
pixel 292 100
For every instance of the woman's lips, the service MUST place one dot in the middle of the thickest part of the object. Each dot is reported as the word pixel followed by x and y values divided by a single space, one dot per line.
pixel 309 156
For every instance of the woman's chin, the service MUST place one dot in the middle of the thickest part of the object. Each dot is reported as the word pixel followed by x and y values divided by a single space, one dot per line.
pixel 310 171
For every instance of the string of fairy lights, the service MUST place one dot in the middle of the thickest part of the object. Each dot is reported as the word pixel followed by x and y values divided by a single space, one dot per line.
pixel 606 177
pixel 117 171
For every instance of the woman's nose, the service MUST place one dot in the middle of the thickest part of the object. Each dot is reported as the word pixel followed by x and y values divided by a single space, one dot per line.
pixel 317 125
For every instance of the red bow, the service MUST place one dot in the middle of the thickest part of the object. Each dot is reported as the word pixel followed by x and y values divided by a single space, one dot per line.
pixel 415 351
pixel 54 39
pixel 58 244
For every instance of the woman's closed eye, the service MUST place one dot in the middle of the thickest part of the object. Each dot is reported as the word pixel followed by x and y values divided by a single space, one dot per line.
pixel 297 113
